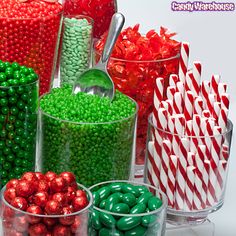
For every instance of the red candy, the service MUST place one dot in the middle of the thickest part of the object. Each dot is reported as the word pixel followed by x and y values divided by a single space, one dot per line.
pixel 68 220
pixel 61 230
pixel 21 224
pixel 69 177
pixel 37 230
pixel 19 203
pixel 79 203
pixel 10 194
pixel 58 184
pixel 136 68
pixel 100 10
pixel 43 186
pixel 34 210
pixel 60 197
pixel 12 183
pixel 41 198
pixel 49 176
pixel 53 207
pixel 29 35
pixel 24 188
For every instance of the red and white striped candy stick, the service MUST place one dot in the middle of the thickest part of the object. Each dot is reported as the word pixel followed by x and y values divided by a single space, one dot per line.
pixel 206 114
pixel 188 105
pixel 166 152
pixel 178 103
pixel 216 146
pixel 225 100
pixel 196 78
pixel 223 116
pixel 225 152
pixel 191 158
pixel 205 91
pixel 156 163
pixel 150 161
pixel 198 106
pixel 197 198
pixel 180 88
pixel 170 92
pixel 189 188
pixel 210 102
pixel 173 80
pixel 172 170
pixel 216 110
pixel 162 119
pixel 158 97
pixel 188 81
pixel 196 132
pixel 221 176
pixel 215 80
pixel 189 127
pixel 184 58
pixel 222 88
pixel 181 174
pixel 170 106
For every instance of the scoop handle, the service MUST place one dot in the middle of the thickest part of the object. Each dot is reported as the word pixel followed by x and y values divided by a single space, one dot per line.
pixel 117 23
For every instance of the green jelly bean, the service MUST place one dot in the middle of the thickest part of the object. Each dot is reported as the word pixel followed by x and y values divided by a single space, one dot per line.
pixel 127 223
pixel 110 232
pixel 107 220
pixel 154 203
pixel 112 200
pixel 144 198
pixel 121 208
pixel 129 199
pixel 96 198
pixel 142 189
pixel 149 220
pixel 103 192
pixel 137 231
pixel 139 208
pixel 129 188
pixel 102 204
pixel 95 220
pixel 116 187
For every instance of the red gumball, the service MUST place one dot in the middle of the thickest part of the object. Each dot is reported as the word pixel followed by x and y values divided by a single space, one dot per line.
pixel 12 232
pixel 49 176
pixel 40 199
pixel 33 209
pixel 8 213
pixel 12 183
pixel 49 221
pixel 38 230
pixel 71 193
pixel 53 207
pixel 29 176
pixel 58 184
pixel 61 198
pixel 43 186
pixel 81 193
pixel 9 194
pixel 6 224
pixel 61 230
pixel 20 224
pixel 79 203
pixel 19 203
pixel 76 225
pixel 69 177
pixel 39 176
pixel 24 188
pixel 67 220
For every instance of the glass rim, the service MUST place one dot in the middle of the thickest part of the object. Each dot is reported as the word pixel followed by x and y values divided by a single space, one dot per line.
pixel 52 216
pixel 229 129
pixel 20 85
pixel 159 210
pixel 80 16
pixel 140 61
pixel 90 123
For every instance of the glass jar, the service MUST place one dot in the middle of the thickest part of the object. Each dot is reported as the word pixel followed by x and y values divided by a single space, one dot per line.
pixel 113 195
pixel 18 127
pixel 31 36
pixel 18 222
pixel 76 47
pixel 137 79
pixel 195 180
pixel 100 11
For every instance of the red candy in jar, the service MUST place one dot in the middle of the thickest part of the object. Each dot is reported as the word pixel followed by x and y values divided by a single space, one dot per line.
pixel 29 32
pixel 54 211
pixel 100 11
pixel 137 60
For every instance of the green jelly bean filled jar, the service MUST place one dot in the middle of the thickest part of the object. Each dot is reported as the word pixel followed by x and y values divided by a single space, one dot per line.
pixel 87 135
pixel 124 208
pixel 18 120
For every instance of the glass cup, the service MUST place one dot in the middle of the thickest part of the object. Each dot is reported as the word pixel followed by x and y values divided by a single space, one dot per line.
pixel 17 222
pixel 32 42
pixel 104 222
pixel 76 47
pixel 191 170
pixel 18 127
pixel 136 79
pixel 94 152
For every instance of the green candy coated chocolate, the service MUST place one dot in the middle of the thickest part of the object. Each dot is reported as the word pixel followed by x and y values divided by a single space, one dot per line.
pixel 104 192
pixel 116 187
pixel 96 198
pixel 154 203
pixel 110 232
pixel 102 204
pixel 112 200
pixel 137 231
pixel 129 199
pixel 120 208
pixel 149 220
pixel 139 208
pixel 144 198
pixel 129 188
pixel 127 223
pixel 107 220
pixel 96 221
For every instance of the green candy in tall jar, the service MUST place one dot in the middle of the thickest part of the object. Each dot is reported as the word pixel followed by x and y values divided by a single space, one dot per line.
pixel 86 134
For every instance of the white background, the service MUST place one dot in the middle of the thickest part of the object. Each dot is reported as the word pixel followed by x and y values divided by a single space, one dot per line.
pixel 212 37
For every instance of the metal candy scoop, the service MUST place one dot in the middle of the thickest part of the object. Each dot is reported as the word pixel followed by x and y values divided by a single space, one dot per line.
pixel 97 80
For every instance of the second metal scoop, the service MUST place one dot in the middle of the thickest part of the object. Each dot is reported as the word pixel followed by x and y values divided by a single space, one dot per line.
pixel 97 80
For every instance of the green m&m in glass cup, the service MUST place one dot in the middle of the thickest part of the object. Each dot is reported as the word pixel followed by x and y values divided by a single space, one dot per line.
pixel 124 208
pixel 18 120
pixel 87 135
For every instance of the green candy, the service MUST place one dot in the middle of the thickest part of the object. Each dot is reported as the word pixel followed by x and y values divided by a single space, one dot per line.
pixel 102 204
pixel 154 203
pixel 139 208
pixel 110 232
pixel 129 199
pixel 95 220
pixel 103 193
pixel 137 231
pixel 129 188
pixel 149 220
pixel 120 208
pixel 116 187
pixel 112 200
pixel 96 198
pixel 107 220
pixel 127 223
pixel 144 198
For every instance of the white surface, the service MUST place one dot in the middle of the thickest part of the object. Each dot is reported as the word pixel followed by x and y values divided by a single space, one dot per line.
pixel 212 37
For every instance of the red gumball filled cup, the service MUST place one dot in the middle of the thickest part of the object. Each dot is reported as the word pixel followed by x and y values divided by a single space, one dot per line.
pixel 60 209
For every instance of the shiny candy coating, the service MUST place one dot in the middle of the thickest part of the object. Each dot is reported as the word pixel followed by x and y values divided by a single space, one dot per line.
pixel 95 152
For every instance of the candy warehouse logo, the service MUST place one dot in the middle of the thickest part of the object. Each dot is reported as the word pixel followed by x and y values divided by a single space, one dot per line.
pixel 202 6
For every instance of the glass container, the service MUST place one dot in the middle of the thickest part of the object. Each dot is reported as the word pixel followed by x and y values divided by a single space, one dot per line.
pixel 100 11
pixel 32 41
pixel 106 222
pixel 18 127
pixel 18 222
pixel 94 152
pixel 194 181
pixel 77 35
